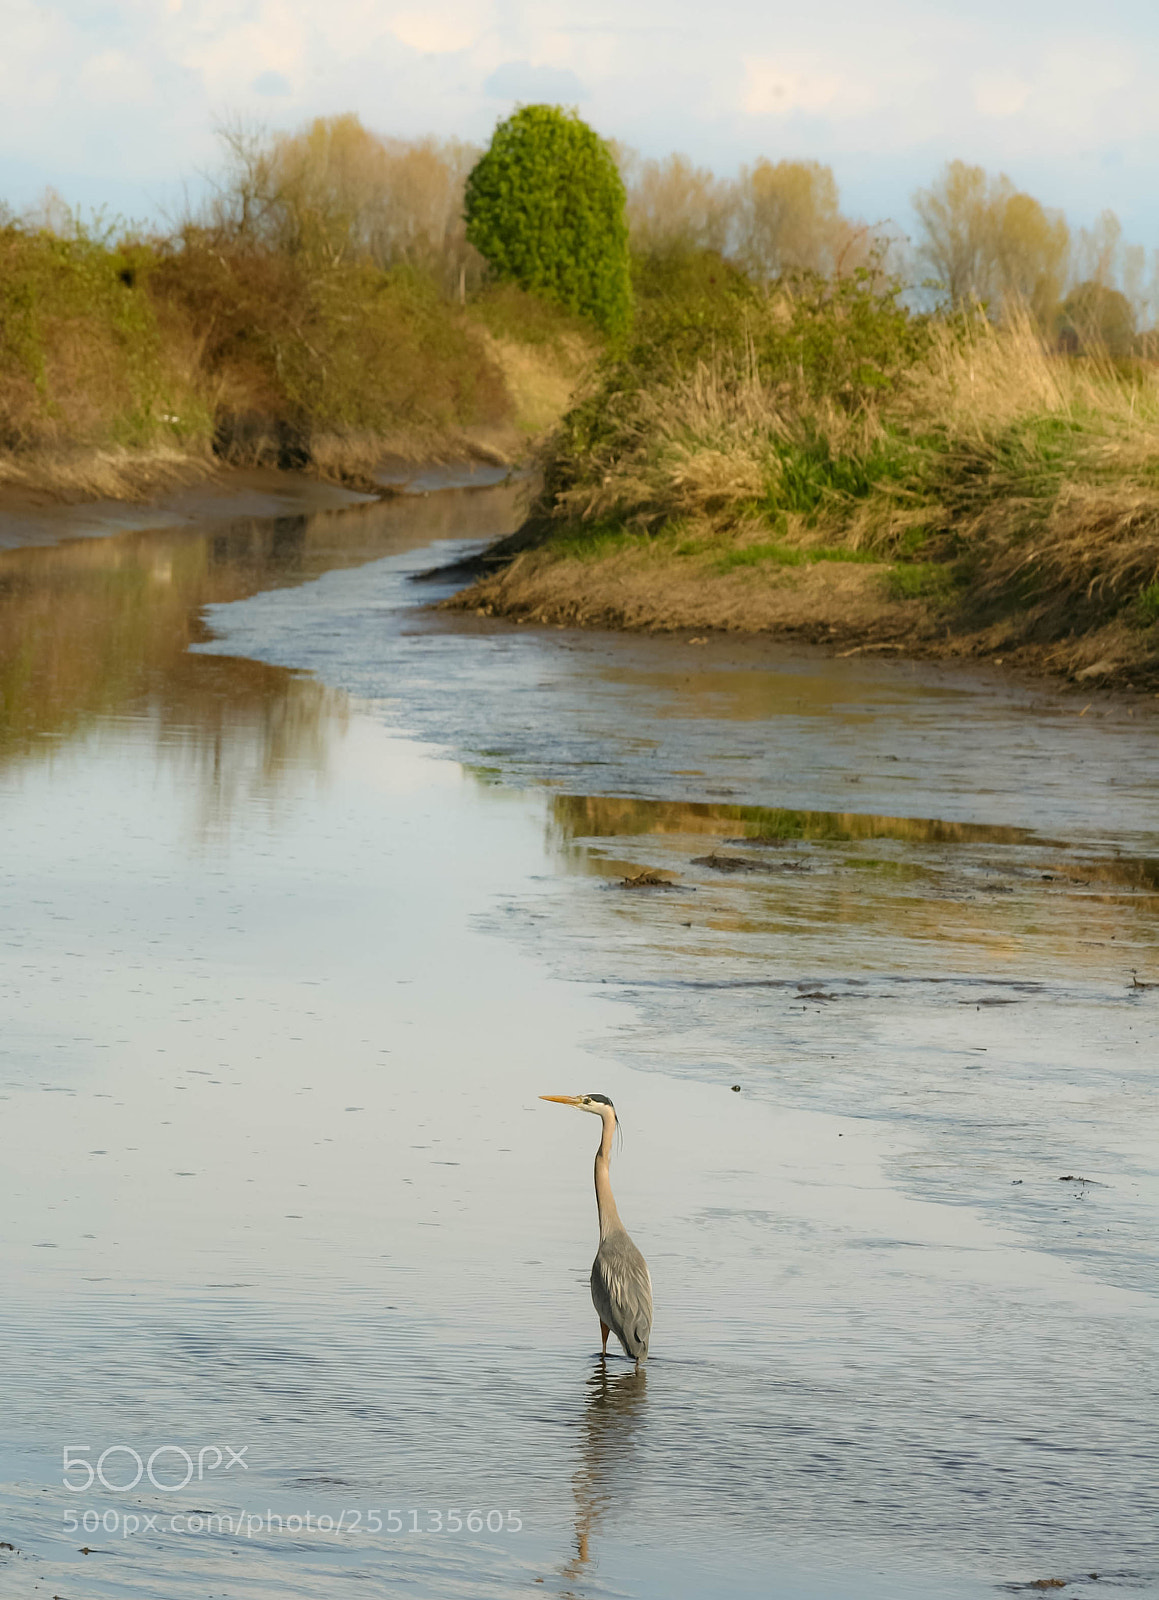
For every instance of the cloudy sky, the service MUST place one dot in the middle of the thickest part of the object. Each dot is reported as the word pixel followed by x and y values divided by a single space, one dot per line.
pixel 115 101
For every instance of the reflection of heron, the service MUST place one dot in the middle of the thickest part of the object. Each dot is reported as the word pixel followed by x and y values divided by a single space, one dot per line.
pixel 621 1287
pixel 611 1421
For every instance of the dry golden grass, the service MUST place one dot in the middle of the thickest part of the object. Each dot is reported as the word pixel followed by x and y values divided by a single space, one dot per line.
pixel 541 378
pixel 997 495
pixel 641 588
pixel 981 378
pixel 74 476
pixel 354 458
pixel 692 446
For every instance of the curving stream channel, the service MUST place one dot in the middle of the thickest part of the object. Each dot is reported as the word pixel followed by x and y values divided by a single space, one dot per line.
pixel 309 892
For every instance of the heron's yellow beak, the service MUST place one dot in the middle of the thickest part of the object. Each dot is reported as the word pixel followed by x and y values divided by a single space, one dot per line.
pixel 562 1099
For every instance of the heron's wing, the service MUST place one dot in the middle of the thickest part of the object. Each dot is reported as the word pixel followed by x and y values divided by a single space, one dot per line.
pixel 622 1293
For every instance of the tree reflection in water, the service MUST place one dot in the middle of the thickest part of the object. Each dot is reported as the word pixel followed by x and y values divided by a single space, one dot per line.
pixel 95 637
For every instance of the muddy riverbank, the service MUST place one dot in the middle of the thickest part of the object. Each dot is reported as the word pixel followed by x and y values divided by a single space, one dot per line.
pixel 221 493
pixel 849 606
pixel 848 609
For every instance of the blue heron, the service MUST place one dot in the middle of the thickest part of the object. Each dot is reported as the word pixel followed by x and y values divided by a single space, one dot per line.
pixel 621 1287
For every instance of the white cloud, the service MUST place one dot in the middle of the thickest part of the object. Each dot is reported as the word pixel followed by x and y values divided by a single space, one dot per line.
pixel 1075 90
pixel 437 32
pixel 111 78
pixel 35 40
pixel 123 93
pixel 1001 94
pixel 273 37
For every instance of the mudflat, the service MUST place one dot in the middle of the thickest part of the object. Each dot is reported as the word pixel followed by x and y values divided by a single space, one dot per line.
pixel 315 888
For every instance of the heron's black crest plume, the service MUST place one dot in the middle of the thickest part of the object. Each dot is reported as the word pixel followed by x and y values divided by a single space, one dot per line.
pixel 603 1100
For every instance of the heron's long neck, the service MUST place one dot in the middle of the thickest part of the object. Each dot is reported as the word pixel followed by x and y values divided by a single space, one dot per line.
pixel 605 1203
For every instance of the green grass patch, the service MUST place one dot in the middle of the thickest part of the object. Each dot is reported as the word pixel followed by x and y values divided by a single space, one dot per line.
pixel 810 477
pixel 921 580
pixel 911 541
pixel 1031 458
pixel 788 555
pixel 598 540
pixel 1147 605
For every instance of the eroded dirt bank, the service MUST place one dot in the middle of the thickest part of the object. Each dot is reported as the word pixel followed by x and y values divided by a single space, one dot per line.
pixel 31 519
pixel 850 606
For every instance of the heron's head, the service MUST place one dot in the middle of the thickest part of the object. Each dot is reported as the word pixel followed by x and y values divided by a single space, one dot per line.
pixel 597 1104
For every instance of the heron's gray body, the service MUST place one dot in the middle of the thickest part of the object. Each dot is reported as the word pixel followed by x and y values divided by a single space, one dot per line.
pixel 621 1287
pixel 622 1293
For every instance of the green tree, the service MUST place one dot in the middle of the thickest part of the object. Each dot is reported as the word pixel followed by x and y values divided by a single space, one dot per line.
pixel 1031 246
pixel 545 208
pixel 1095 317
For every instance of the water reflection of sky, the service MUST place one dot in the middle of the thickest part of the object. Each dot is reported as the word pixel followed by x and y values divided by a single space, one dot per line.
pixel 277 1173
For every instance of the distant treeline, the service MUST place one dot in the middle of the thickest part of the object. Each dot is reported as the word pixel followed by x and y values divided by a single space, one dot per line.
pixel 977 240
pixel 325 297
pixel 337 188
pixel 335 191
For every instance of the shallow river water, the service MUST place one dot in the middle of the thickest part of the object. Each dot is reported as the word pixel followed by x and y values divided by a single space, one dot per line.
pixel 355 880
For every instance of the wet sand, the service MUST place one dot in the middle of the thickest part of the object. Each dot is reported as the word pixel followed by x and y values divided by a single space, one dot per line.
pixel 302 922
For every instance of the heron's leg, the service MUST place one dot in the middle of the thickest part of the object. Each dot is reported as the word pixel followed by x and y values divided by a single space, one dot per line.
pixel 604 1330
